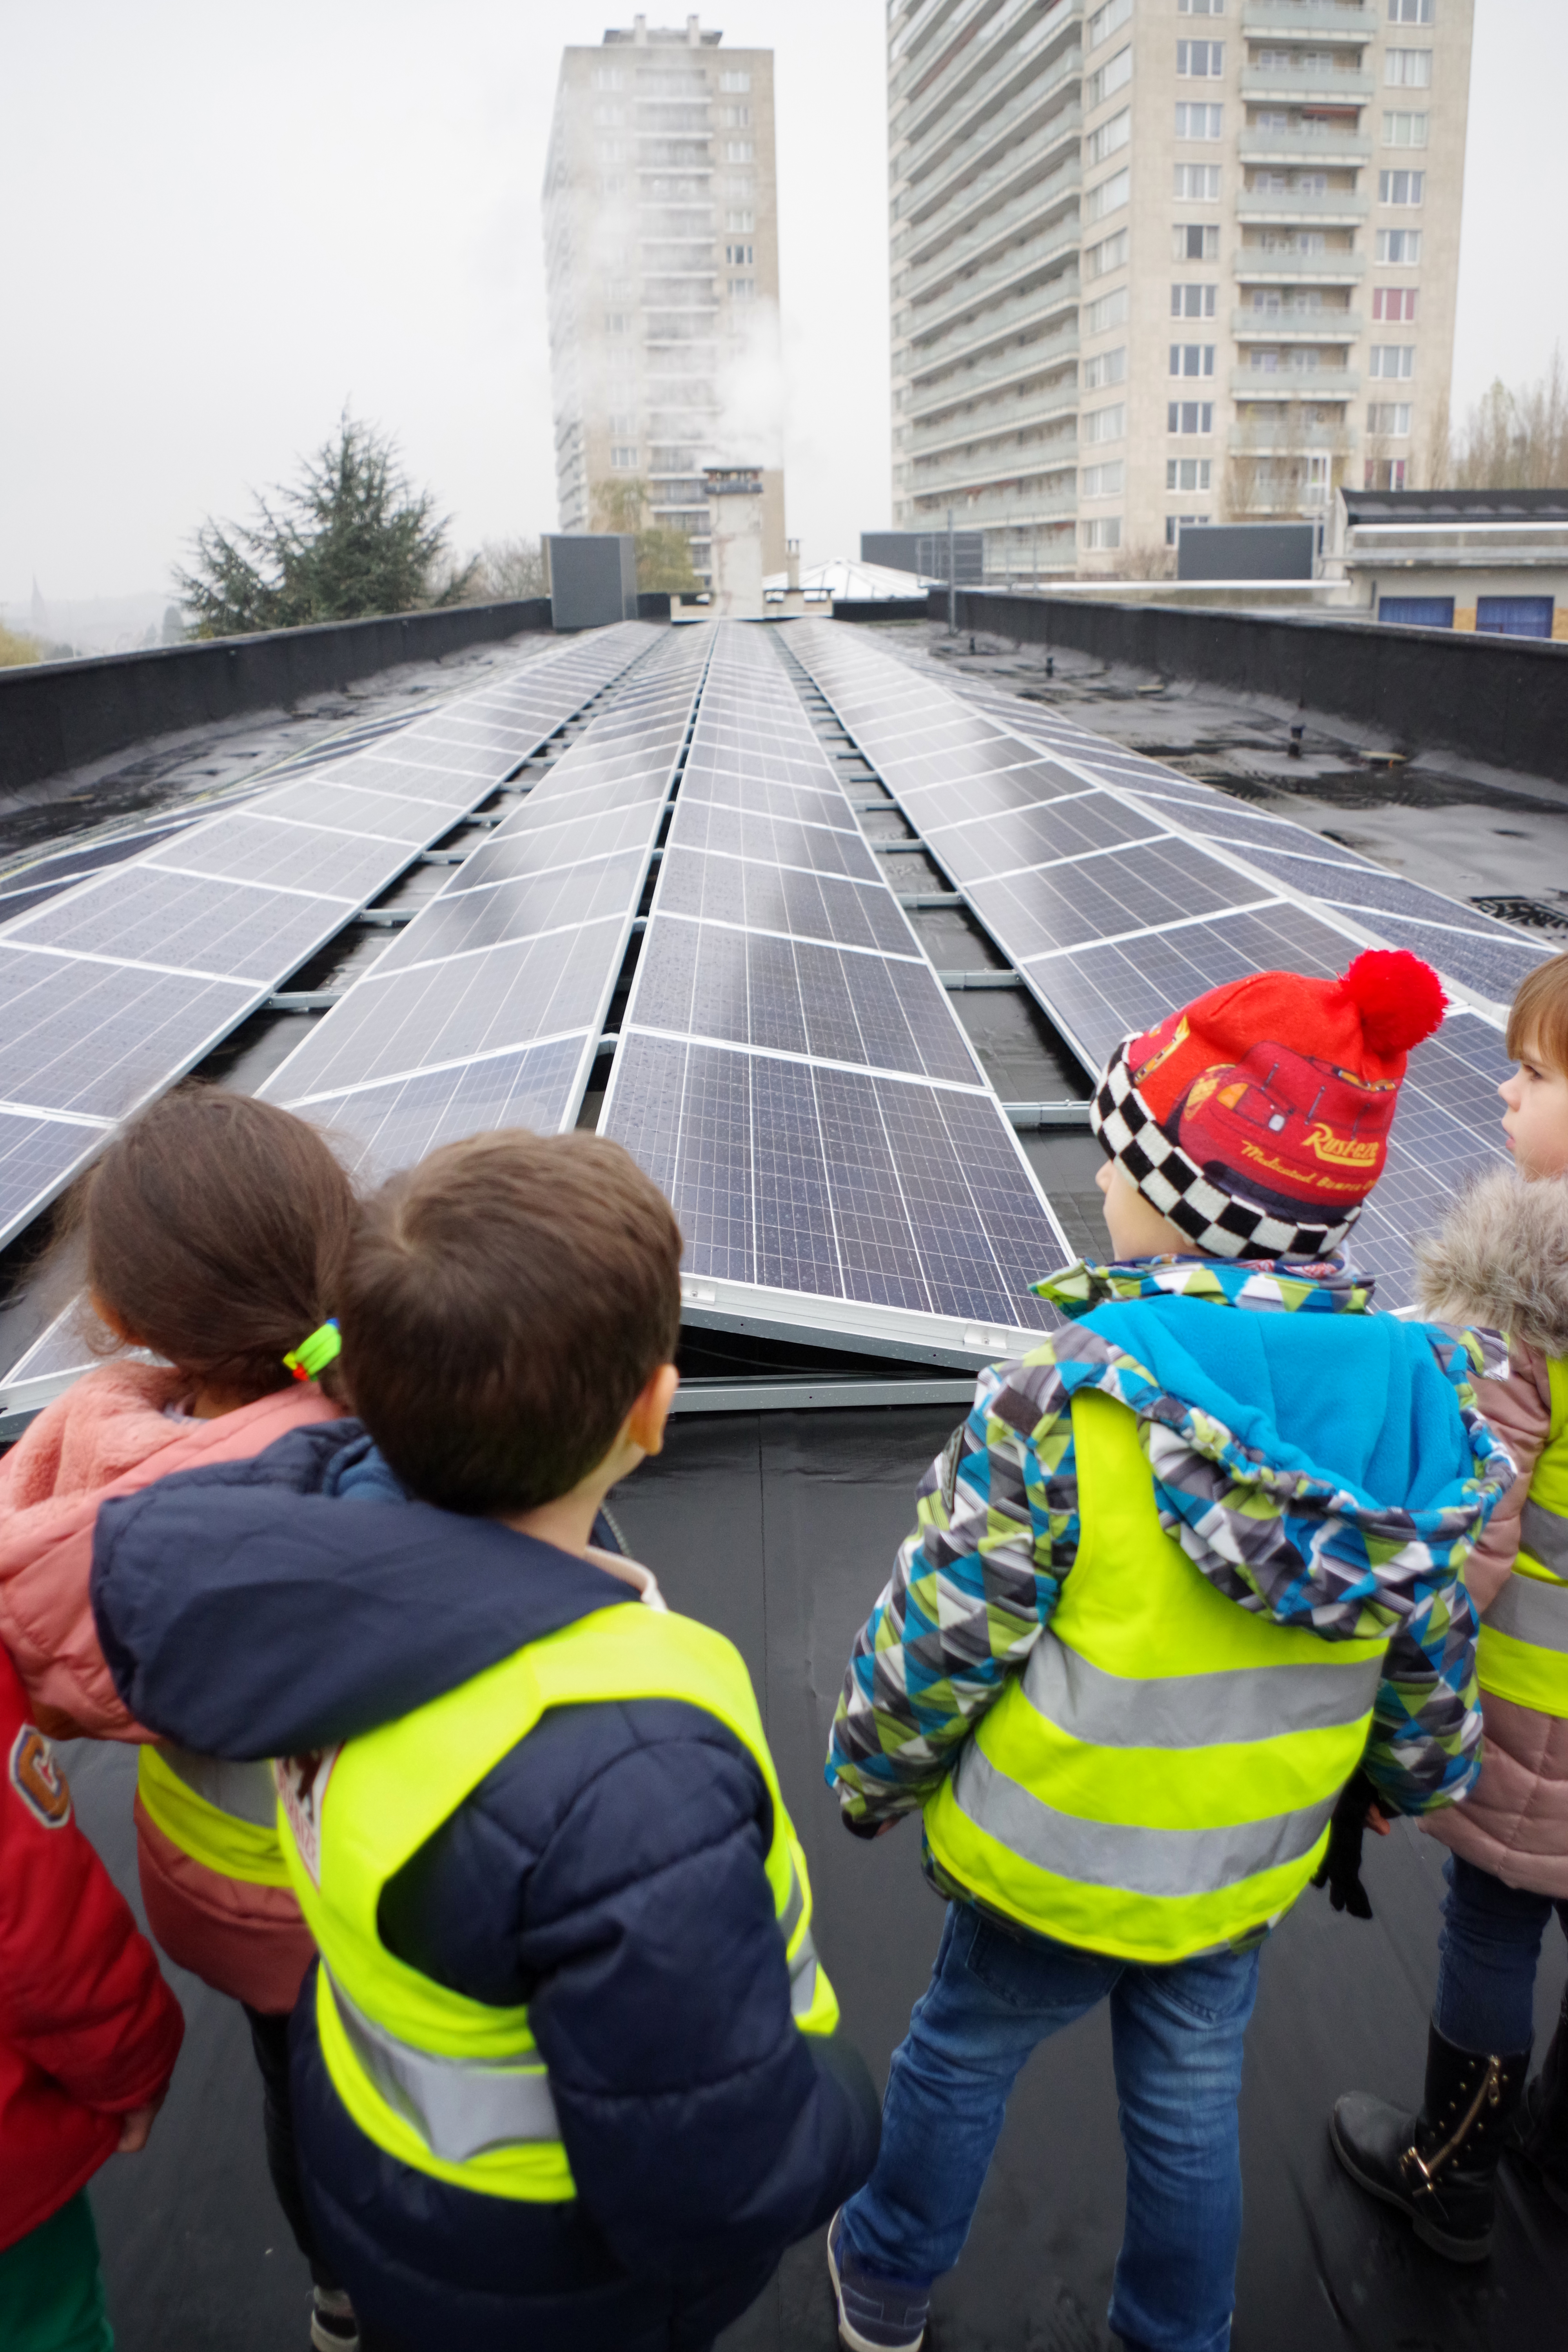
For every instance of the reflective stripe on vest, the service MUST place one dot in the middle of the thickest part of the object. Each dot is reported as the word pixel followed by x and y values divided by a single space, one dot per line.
pixel 1113 1801
pixel 1522 1653
pixel 447 2085
pixel 223 1815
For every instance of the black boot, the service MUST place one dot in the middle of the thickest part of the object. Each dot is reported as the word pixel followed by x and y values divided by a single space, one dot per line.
pixel 1440 2165
pixel 1540 2132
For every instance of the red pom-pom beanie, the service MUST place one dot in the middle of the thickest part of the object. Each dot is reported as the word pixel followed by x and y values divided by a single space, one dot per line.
pixel 1257 1120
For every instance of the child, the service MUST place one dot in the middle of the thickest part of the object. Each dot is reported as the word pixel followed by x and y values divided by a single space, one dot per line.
pixel 1163 1581
pixel 208 1228
pixel 88 2036
pixel 565 2075
pixel 1501 1261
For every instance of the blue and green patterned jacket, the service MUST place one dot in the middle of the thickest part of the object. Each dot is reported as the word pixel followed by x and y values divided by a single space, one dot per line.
pixel 1318 1463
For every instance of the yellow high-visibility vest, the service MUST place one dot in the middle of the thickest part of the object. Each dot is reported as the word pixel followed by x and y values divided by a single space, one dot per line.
pixel 1523 1654
pixel 223 1815
pixel 451 2086
pixel 1158 1779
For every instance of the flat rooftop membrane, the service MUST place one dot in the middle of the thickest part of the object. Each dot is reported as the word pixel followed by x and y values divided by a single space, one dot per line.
pixel 780 1528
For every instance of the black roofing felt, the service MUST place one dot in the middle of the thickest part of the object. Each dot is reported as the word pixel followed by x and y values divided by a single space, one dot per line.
pixel 1457 506
pixel 780 1528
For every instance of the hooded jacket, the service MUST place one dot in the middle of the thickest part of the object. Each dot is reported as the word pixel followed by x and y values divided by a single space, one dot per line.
pixel 1501 1261
pixel 112 1434
pixel 608 1872
pixel 1319 1465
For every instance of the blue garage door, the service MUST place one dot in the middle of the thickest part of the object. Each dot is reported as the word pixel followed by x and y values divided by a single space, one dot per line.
pixel 1515 616
pixel 1417 612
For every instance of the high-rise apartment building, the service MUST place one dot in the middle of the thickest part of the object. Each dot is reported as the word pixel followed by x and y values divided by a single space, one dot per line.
pixel 1158 262
pixel 661 245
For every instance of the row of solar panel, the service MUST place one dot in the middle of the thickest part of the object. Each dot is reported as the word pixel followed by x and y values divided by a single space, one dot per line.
pixel 119 984
pixel 1114 918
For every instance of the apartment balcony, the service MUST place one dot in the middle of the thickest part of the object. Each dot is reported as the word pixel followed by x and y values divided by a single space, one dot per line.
pixel 998 327
pixel 1325 385
pixel 1336 209
pixel 966 447
pixel 1016 364
pixel 973 160
pixel 1285 437
pixel 967 477
pixel 1297 326
pixel 1254 268
pixel 986 285
pixel 1301 86
pixel 946 255
pixel 1333 149
pixel 1013 60
pixel 1018 508
pixel 1319 20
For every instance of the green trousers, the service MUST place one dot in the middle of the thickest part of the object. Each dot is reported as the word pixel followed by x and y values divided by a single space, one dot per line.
pixel 52 2296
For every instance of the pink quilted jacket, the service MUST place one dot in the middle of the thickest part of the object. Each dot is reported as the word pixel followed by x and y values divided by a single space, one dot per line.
pixel 110 1435
pixel 1501 1262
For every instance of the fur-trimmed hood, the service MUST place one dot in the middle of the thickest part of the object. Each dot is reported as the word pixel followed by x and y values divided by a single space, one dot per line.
pixel 1501 1261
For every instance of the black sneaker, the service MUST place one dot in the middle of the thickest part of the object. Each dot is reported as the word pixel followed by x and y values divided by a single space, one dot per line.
pixel 875 2314
pixel 333 2328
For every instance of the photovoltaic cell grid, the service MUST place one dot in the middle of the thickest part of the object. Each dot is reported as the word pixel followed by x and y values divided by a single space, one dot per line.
pixel 791 1072
pixel 1114 920
pixel 487 1010
pixel 117 985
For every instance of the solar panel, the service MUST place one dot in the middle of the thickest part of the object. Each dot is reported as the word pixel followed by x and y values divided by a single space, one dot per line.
pixel 118 984
pixel 793 1075
pixel 487 1010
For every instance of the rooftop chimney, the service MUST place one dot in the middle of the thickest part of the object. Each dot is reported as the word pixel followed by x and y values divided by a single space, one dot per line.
pixel 693 33
pixel 640 31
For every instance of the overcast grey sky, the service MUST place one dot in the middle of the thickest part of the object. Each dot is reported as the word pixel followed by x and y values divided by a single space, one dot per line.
pixel 221 221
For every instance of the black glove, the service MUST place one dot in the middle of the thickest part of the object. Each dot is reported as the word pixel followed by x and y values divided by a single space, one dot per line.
pixel 1340 1870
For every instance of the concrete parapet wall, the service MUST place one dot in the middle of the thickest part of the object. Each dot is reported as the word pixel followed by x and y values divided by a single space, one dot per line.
pixel 1500 699
pixel 56 715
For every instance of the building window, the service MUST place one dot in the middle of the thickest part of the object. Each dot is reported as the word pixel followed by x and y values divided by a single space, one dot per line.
pixel 1110 253
pixel 1192 359
pixel 1408 68
pixel 1410 12
pixel 1111 136
pixel 742 221
pixel 608 78
pixel 1105 368
pixel 1113 75
pixel 735 81
pixel 1108 20
pixel 1204 60
pixel 616 323
pixel 1190 416
pixel 735 117
pixel 612 115
pixel 623 426
pixel 1398 359
pixel 1200 8
pixel 1188 473
pixel 1199 121
pixel 738 151
pixel 1196 240
pixel 624 458
pixel 1393 303
pixel 1401 248
pixel 1105 424
pixel 1401 187
pixel 1384 473
pixel 1109 197
pixel 1404 129
pixel 738 187
pixel 613 151
pixel 1194 301
pixel 1103 481
pixel 1174 524
pixel 1389 419
pixel 1197 183
pixel 738 257
pixel 1514 616
pixel 1103 533
pixel 613 184
pixel 742 289
pixel 1111 311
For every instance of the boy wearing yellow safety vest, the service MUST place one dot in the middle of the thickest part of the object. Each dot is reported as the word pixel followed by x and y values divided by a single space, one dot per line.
pixel 1501 1261
pixel 1186 1568
pixel 564 2075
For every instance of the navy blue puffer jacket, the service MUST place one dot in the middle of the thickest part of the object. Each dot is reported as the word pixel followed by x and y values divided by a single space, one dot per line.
pixel 608 1871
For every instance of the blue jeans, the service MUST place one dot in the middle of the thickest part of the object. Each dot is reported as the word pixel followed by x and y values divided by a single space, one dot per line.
pixel 1490 1945
pixel 1176 2035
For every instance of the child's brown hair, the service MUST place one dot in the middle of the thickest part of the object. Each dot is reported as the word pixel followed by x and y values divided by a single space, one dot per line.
pixel 212 1227
pixel 1538 1017
pixel 502 1307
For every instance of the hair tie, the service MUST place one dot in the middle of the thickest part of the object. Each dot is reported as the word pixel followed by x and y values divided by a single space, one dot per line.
pixel 314 1354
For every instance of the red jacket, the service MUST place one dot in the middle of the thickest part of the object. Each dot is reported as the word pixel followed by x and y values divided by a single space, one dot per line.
pixel 88 2030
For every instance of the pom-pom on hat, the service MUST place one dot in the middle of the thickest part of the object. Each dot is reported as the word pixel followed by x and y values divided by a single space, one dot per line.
pixel 1257 1120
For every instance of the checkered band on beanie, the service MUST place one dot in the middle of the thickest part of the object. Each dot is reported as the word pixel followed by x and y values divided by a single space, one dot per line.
pixel 1256 1119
